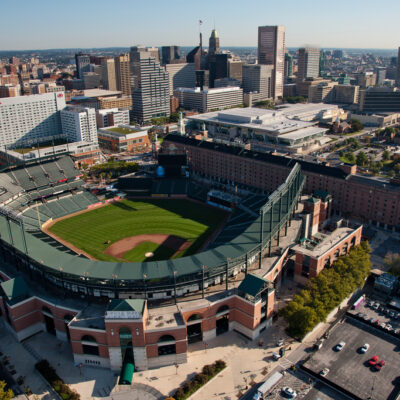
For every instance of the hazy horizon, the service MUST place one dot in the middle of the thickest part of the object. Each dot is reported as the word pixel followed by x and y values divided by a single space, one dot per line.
pixel 122 23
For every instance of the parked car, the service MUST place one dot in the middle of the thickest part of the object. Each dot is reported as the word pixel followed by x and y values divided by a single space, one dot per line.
pixel 369 302
pixel 373 361
pixel 376 306
pixel 289 392
pixel 324 372
pixel 383 325
pixel 340 345
pixel 378 366
pixel 392 314
pixel 364 348
pixel 280 342
pixel 389 327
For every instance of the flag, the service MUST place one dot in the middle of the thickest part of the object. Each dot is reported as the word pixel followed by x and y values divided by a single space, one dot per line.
pixel 200 21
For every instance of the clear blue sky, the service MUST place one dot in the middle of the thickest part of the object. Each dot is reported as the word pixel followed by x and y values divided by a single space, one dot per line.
pixel 45 24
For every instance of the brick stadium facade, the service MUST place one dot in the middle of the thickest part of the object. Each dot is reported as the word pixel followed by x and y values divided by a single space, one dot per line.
pixel 371 200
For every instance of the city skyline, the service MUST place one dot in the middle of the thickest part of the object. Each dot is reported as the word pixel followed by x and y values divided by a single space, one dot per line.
pixel 354 27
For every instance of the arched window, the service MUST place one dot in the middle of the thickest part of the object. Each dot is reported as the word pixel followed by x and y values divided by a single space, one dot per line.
pixel 125 341
pixel 195 317
pixel 166 338
pixel 89 345
pixel 353 242
pixel 88 338
pixel 336 255
pixel 166 345
pixel 344 248
pixel 327 262
pixel 222 309
pixel 47 310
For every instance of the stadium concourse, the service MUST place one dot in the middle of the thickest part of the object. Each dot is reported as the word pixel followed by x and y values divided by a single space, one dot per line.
pixel 147 314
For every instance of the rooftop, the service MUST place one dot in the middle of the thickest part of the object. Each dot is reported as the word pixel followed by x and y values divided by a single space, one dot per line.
pixel 90 317
pixel 317 249
pixel 100 93
pixel 123 131
pixel 165 317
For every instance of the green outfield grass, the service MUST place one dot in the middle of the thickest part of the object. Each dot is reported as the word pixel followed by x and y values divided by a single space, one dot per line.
pixel 92 230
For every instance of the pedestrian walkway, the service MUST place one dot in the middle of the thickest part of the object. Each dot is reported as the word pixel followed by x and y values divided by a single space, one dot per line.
pixel 24 364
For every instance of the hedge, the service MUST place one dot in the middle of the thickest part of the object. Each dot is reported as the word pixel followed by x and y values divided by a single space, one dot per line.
pixel 194 384
pixel 50 374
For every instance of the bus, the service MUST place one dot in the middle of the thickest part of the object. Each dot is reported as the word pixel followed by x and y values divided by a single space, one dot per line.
pixel 263 390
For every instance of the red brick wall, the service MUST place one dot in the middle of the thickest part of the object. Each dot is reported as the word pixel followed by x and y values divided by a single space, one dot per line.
pixel 350 197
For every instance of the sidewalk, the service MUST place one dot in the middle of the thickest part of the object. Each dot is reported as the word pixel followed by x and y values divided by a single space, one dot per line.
pixel 24 364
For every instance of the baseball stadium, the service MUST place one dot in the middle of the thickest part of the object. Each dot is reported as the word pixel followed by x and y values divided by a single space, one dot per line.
pixel 176 256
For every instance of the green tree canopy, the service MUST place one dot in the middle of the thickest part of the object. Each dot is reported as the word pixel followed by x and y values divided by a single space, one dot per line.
pixel 5 394
pixel 361 159
pixel 327 290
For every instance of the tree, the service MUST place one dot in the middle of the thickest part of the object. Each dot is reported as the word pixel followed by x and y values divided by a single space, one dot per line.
pixel 392 261
pixel 350 157
pixel 5 394
pixel 361 159
pixel 386 155
pixel 356 125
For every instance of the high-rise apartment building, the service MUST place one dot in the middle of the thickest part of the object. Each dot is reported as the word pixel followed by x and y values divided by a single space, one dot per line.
pixel 79 124
pixel 181 75
pixel 150 86
pixel 108 74
pixel 257 80
pixel 213 47
pixel 123 74
pixel 82 64
pixel 30 119
pixel 398 69
pixel 170 54
pixel 308 63
pixel 271 51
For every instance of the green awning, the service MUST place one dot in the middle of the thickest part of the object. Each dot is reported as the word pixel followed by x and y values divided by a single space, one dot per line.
pixel 128 368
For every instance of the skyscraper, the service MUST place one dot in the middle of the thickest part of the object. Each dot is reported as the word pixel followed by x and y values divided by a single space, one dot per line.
pixel 150 86
pixel 82 62
pixel 257 79
pixel 122 73
pixel 108 74
pixel 288 66
pixel 398 69
pixel 213 47
pixel 271 51
pixel 308 63
pixel 170 54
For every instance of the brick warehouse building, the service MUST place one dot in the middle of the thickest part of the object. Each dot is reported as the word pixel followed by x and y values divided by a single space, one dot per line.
pixel 371 200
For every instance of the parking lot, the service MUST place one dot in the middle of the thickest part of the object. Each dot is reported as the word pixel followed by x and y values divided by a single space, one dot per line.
pixel 349 368
pixel 377 313
pixel 305 389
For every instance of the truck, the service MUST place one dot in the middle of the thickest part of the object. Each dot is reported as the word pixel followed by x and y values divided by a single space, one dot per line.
pixel 267 386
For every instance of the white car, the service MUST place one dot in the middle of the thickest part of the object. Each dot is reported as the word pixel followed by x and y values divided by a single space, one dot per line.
pixel 340 345
pixel 289 392
pixel 324 372
pixel 364 348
